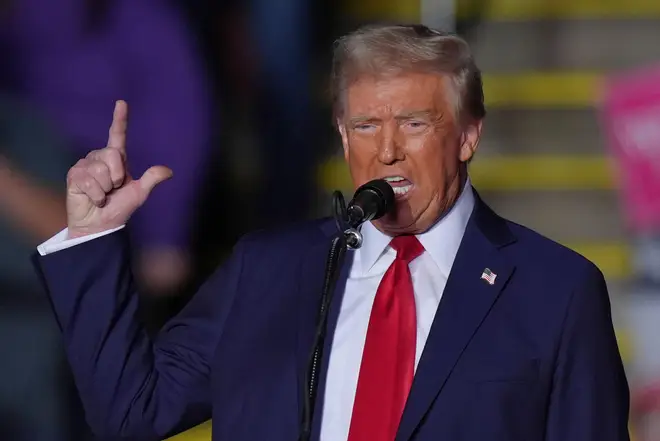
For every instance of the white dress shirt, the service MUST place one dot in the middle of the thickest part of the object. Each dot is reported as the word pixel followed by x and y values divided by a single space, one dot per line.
pixel 429 276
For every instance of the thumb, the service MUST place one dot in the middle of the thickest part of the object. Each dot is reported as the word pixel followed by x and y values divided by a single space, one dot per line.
pixel 154 176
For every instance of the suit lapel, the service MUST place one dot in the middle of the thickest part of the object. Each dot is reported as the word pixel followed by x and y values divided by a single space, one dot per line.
pixel 312 273
pixel 466 301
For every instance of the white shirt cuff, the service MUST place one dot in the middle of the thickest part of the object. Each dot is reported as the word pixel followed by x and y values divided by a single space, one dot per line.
pixel 61 240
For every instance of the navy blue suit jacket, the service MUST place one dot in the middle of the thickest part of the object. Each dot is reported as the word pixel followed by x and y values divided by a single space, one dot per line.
pixel 532 357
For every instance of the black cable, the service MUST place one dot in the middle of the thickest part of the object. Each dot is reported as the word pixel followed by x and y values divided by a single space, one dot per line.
pixel 333 263
pixel 339 210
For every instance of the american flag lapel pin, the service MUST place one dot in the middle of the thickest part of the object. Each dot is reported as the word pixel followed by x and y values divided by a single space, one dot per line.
pixel 489 276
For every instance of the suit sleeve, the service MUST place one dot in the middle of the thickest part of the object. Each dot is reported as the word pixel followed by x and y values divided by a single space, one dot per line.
pixel 589 399
pixel 133 387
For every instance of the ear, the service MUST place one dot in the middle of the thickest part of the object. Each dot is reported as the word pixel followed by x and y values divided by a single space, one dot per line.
pixel 470 140
pixel 344 137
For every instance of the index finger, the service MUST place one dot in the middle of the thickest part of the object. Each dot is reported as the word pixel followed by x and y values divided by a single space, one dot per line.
pixel 117 132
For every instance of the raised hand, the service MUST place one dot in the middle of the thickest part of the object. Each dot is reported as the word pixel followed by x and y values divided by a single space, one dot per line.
pixel 101 194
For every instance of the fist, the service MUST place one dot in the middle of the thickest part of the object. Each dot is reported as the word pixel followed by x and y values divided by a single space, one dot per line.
pixel 101 194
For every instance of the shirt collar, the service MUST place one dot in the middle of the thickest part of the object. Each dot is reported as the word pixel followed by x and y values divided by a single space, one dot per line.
pixel 441 241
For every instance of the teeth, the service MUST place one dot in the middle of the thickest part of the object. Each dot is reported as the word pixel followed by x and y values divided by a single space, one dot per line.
pixel 394 178
pixel 401 190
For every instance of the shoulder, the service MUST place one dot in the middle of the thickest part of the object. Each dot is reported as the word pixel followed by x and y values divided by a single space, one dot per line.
pixel 272 256
pixel 547 263
pixel 554 291
pixel 295 237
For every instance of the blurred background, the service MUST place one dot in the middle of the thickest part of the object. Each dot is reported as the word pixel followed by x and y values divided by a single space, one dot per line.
pixel 232 95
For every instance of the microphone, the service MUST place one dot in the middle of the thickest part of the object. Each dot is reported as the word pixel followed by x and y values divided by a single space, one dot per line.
pixel 371 201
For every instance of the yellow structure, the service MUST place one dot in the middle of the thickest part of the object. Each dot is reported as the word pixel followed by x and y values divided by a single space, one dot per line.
pixel 199 433
pixel 500 10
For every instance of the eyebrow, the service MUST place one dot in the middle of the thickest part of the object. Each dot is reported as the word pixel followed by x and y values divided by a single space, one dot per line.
pixel 415 114
pixel 400 116
pixel 360 119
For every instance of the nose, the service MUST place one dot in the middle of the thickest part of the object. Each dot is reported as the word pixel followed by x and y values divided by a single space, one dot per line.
pixel 390 149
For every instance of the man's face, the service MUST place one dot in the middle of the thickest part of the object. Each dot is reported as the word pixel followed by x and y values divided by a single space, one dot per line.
pixel 405 129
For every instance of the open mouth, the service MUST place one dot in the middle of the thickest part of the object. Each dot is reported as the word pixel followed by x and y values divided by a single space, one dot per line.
pixel 400 185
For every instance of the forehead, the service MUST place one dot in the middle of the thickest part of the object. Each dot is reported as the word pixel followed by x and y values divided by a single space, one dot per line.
pixel 410 92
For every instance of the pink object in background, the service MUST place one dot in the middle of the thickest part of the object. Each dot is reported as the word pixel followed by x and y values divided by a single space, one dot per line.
pixel 631 118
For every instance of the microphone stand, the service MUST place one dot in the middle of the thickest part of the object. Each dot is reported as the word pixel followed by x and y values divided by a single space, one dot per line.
pixel 346 237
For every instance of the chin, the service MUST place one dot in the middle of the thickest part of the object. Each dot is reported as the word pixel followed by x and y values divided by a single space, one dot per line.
pixel 401 221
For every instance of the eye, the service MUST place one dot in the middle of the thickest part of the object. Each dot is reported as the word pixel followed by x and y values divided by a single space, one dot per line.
pixel 415 125
pixel 364 127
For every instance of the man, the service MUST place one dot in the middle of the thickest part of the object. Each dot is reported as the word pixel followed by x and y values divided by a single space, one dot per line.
pixel 449 323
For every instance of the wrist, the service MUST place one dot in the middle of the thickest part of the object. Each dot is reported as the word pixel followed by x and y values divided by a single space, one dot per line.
pixel 73 233
pixel 78 232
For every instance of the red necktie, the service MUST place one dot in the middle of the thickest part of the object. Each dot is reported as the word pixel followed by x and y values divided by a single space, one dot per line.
pixel 388 360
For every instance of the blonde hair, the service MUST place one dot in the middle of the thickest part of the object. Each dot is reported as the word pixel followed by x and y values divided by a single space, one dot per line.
pixel 391 50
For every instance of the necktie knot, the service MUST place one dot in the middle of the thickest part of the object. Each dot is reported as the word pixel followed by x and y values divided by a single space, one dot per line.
pixel 408 248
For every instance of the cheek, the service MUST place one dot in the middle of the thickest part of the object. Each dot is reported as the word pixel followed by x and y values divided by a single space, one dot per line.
pixel 444 151
pixel 434 162
pixel 428 153
pixel 359 155
pixel 362 149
